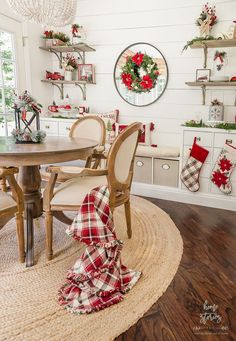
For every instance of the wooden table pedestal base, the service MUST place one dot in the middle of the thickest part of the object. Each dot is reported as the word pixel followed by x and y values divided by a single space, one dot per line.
pixel 30 181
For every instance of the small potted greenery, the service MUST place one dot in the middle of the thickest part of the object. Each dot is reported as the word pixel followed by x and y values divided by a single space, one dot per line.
pixel 52 38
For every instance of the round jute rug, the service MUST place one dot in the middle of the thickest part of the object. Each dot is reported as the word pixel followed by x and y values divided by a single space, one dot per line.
pixel 29 308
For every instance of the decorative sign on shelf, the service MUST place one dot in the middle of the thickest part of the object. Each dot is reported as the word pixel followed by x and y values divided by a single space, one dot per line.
pixel 27 112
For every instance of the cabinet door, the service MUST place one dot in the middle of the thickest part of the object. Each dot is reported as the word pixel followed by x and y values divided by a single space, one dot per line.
pixel 143 170
pixel 205 139
pixel 221 139
pixel 50 127
pixel 166 172
pixel 64 128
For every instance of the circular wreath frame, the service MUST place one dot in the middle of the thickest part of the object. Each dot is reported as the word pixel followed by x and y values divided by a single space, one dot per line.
pixel 114 75
pixel 131 77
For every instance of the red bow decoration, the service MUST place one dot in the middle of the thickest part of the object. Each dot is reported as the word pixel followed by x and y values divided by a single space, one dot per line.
pixel 74 30
pixel 219 55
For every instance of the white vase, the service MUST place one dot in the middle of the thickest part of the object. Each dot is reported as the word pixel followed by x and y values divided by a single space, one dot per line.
pixel 68 75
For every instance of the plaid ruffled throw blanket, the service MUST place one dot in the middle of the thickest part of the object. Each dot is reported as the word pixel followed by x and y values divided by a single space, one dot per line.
pixel 98 279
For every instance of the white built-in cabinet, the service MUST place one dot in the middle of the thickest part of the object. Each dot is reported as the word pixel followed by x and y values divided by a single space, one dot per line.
pixel 159 176
pixel 213 140
pixel 56 126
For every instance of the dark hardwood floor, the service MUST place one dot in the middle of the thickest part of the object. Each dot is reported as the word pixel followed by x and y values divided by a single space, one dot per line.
pixel 207 272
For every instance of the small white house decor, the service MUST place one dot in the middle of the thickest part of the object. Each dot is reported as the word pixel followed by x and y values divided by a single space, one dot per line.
pixel 216 111
pixel 55 13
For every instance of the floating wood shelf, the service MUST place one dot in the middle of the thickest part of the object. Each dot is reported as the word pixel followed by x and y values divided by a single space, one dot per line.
pixel 60 85
pixel 78 48
pixel 211 83
pixel 203 86
pixel 212 44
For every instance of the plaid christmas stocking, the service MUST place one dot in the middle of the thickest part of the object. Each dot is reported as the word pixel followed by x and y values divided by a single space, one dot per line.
pixel 191 171
pixel 223 168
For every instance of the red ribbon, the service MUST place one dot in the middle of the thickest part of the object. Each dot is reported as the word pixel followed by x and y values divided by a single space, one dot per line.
pixel 219 55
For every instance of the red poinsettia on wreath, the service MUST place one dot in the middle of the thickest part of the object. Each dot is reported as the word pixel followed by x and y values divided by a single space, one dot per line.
pixel 219 178
pixel 127 79
pixel 138 58
pixel 147 82
pixel 225 164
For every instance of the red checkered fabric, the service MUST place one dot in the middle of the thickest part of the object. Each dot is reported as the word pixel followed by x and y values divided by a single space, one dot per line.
pixel 98 279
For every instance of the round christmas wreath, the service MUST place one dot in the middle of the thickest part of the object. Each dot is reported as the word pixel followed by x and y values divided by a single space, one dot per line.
pixel 140 73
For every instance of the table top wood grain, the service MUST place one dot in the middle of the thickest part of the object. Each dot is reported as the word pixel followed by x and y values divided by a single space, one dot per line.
pixel 53 149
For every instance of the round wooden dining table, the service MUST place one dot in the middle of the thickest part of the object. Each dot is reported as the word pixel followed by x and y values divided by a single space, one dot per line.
pixel 28 157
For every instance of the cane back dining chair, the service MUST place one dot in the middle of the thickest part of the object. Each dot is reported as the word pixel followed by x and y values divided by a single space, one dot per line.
pixel 117 175
pixel 89 126
pixel 13 205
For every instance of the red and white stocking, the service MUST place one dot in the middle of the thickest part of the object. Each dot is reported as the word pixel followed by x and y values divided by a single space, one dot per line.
pixel 191 171
pixel 223 168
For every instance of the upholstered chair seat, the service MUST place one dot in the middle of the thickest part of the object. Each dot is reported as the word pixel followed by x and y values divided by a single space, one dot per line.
pixel 73 191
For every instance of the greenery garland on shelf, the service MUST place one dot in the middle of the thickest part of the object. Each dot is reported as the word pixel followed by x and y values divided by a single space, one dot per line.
pixel 198 40
pixel 140 73
pixel 201 124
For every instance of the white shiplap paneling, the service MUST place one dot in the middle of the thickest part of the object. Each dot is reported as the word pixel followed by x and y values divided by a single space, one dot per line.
pixel 112 25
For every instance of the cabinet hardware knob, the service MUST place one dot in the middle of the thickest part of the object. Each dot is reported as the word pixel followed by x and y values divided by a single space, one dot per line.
pixel 139 163
pixel 198 138
pixel 67 128
pixel 165 166
pixel 229 141
pixel 47 127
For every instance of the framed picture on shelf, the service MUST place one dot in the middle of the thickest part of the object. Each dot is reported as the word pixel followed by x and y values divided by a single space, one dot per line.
pixel 86 73
pixel 203 75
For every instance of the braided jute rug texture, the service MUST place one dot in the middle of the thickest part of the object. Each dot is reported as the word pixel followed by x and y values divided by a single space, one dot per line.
pixel 28 297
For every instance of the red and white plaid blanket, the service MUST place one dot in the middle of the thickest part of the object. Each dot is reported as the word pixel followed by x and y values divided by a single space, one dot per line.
pixel 98 279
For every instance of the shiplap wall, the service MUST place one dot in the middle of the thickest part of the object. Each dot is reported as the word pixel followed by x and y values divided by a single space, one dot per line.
pixel 112 25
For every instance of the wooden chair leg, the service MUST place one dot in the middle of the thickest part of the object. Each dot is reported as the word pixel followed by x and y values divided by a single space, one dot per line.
pixel 128 218
pixel 49 234
pixel 20 235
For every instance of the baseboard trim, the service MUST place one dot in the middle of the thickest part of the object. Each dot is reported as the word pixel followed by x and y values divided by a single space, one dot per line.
pixel 176 194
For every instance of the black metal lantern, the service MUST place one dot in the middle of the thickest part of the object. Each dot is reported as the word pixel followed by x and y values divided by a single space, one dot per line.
pixel 27 128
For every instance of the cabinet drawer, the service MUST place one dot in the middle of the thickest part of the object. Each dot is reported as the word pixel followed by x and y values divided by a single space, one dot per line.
pixel 64 128
pixel 166 172
pixel 51 127
pixel 143 170
pixel 186 154
pixel 220 139
pixel 204 139
pixel 204 186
